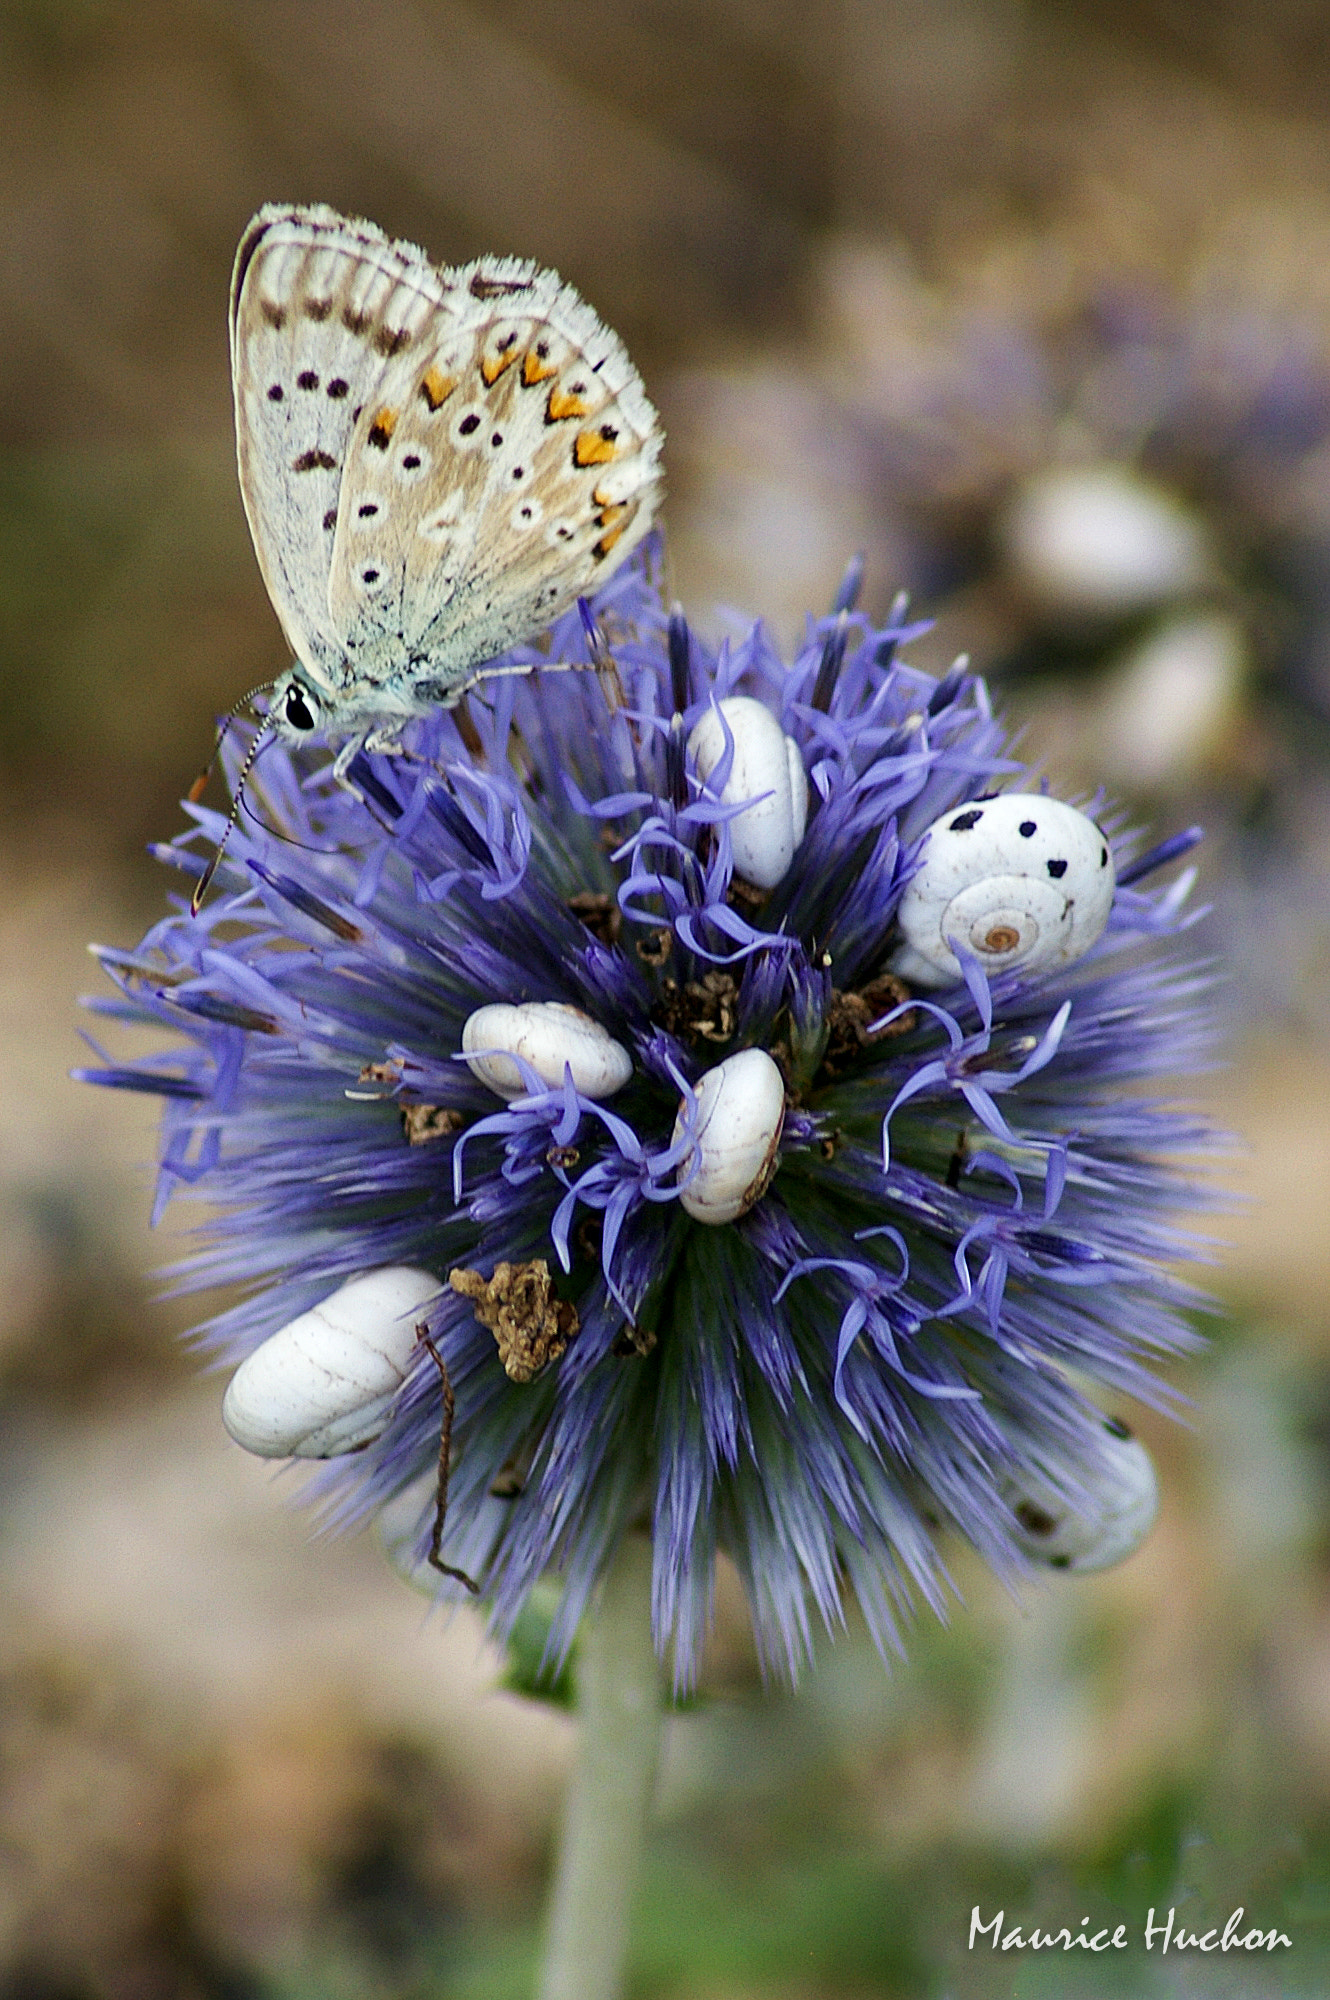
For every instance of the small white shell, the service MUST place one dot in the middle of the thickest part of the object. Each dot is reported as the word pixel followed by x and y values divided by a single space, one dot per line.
pixel 1018 880
pixel 547 1034
pixel 1119 1499
pixel 1169 705
pixel 1100 541
pixel 740 1112
pixel 764 838
pixel 325 1382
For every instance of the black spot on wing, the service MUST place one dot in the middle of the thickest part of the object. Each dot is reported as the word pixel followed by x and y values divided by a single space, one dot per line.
pixel 964 821
pixel 483 287
pixel 1057 869
pixel 314 461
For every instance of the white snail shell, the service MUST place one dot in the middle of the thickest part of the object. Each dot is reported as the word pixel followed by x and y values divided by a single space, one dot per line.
pixel 740 1113
pixel 1117 1512
pixel 546 1034
pixel 325 1382
pixel 1018 880
pixel 1100 541
pixel 1170 705
pixel 765 836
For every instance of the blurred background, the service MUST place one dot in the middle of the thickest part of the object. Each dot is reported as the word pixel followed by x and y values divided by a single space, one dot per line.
pixel 1031 301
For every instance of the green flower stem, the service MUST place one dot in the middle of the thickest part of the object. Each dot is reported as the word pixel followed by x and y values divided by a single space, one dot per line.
pixel 619 1708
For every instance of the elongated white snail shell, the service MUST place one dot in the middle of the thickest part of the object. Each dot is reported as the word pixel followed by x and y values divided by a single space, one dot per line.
pixel 765 836
pixel 325 1382
pixel 547 1034
pixel 1018 880
pixel 1117 1512
pixel 740 1112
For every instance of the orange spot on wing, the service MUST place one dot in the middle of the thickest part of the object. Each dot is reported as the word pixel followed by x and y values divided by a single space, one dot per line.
pixel 382 428
pixel 436 388
pixel 534 369
pixel 494 365
pixel 610 510
pixel 607 541
pixel 561 405
pixel 593 448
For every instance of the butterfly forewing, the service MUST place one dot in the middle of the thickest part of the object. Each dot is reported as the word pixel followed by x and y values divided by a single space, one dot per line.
pixel 309 297
pixel 435 464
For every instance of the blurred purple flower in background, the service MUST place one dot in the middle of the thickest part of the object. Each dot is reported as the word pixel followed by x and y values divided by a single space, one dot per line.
pixel 759 1246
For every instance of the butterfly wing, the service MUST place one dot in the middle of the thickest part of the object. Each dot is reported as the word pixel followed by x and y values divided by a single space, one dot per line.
pixel 435 464
pixel 505 465
pixel 318 306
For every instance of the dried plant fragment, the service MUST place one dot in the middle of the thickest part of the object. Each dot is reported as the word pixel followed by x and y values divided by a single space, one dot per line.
pixel 530 1324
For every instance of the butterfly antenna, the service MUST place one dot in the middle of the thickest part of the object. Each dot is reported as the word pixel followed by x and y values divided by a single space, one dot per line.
pixel 205 879
pixel 195 792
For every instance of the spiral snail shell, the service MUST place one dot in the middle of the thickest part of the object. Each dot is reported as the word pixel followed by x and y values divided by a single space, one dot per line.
pixel 1020 880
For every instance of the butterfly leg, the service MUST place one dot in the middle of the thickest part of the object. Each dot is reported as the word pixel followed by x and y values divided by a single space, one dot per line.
pixel 381 742
pixel 341 770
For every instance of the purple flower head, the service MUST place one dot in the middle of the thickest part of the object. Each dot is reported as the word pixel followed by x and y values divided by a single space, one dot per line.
pixel 758 1246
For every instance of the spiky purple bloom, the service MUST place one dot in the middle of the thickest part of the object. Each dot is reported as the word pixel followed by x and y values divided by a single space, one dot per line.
pixel 969 1214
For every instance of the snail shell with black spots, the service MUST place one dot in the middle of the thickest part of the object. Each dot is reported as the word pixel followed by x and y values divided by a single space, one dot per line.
pixel 1019 880
pixel 1115 1508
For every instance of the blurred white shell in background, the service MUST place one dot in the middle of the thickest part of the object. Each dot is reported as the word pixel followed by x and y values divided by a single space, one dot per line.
pixel 1101 541
pixel 1109 1523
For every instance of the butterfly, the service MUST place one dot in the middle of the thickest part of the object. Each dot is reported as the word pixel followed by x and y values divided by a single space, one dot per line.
pixel 435 464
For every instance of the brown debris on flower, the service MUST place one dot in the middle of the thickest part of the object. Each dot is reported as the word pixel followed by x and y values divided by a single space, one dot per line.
pixel 423 1122
pixel 530 1324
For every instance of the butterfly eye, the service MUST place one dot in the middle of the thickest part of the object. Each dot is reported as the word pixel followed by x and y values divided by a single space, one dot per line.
pixel 297 710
